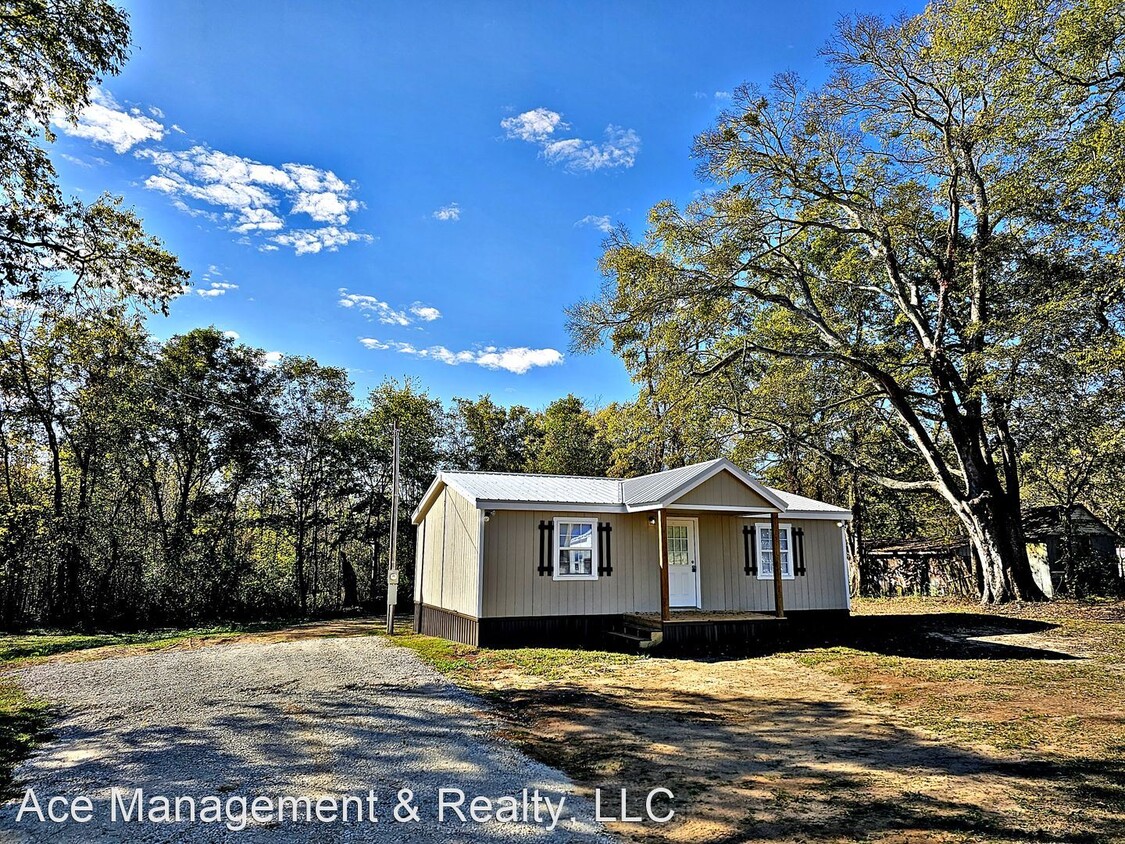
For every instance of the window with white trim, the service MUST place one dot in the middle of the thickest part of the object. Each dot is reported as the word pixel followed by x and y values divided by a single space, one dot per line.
pixel 576 549
pixel 765 551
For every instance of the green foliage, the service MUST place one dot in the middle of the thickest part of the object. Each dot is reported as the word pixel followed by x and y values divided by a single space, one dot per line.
pixel 147 484
pixel 887 268
pixel 489 438
pixel 568 442
pixel 51 54
pixel 23 721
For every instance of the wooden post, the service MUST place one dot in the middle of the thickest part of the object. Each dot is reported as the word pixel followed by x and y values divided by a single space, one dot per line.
pixel 665 609
pixel 775 531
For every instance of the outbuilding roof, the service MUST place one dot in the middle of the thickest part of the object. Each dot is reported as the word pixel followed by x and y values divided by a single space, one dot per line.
pixel 501 490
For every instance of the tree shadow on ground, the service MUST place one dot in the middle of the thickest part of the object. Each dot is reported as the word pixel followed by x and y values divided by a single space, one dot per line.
pixel 938 636
pixel 282 741
pixel 753 768
pixel 917 636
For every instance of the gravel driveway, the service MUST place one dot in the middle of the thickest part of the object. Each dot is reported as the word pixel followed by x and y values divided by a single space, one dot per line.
pixel 319 717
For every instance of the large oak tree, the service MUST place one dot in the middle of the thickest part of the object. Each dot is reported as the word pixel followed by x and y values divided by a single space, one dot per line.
pixel 937 223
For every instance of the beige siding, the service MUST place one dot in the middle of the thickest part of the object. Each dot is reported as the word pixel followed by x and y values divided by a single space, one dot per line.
pixel 513 586
pixel 723 490
pixel 449 556
pixel 726 586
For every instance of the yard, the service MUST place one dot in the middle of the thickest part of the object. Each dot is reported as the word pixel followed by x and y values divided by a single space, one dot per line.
pixel 926 721
pixel 931 721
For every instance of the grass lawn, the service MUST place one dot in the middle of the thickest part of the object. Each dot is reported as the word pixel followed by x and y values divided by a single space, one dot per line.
pixel 924 720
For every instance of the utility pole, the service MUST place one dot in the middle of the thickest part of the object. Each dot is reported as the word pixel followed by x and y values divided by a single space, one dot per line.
pixel 392 557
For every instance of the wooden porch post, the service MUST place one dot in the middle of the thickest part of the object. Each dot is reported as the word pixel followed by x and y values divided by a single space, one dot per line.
pixel 665 609
pixel 775 531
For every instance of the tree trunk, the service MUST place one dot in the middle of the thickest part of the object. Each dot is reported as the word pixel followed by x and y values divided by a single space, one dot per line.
pixel 996 536
pixel 351 590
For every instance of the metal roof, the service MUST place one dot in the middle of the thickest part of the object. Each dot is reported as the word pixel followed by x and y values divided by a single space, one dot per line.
pixel 649 489
pixel 808 505
pixel 496 489
pixel 509 486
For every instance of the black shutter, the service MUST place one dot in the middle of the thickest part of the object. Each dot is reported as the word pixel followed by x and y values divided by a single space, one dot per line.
pixel 605 549
pixel 799 551
pixel 546 548
pixel 750 549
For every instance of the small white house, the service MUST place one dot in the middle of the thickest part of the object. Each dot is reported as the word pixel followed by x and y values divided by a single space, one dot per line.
pixel 683 555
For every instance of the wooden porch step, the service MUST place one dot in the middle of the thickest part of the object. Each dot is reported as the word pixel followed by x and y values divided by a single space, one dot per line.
pixel 642 622
pixel 644 641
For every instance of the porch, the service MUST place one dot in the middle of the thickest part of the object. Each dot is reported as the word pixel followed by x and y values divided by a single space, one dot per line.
pixel 693 628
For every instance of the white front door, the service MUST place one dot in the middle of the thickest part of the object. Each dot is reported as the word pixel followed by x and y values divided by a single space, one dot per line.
pixel 683 563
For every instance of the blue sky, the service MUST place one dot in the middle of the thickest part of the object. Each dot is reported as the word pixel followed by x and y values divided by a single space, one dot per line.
pixel 418 188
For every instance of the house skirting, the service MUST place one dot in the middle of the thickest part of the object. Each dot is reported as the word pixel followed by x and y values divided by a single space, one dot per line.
pixel 561 631
pixel 446 624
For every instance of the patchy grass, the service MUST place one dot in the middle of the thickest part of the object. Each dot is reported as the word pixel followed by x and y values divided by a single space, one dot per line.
pixel 1065 699
pixel 921 721
pixel 23 721
pixel 29 648
pixel 485 670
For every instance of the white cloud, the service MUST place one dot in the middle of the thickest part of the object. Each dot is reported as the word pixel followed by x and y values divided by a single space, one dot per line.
pixel 217 288
pixel 251 195
pixel 538 126
pixel 231 335
pixel 311 241
pixel 73 159
pixel 448 213
pixel 619 149
pixel 602 223
pixel 370 305
pixel 533 126
pixel 271 359
pixel 425 312
pixel 325 207
pixel 105 122
pixel 517 360
pixel 258 219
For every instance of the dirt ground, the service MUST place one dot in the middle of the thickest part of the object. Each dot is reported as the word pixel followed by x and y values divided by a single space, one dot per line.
pixel 923 722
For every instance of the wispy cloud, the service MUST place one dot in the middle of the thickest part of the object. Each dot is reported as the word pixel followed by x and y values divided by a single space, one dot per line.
pixel 602 223
pixel 541 126
pixel 516 360
pixel 450 213
pixel 217 288
pixel 719 97
pixel 311 241
pixel 216 284
pixel 294 205
pixel 104 121
pixel 252 196
pixel 374 308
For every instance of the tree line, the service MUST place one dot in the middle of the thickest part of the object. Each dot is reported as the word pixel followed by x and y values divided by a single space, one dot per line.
pixel 900 292
pixel 167 483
